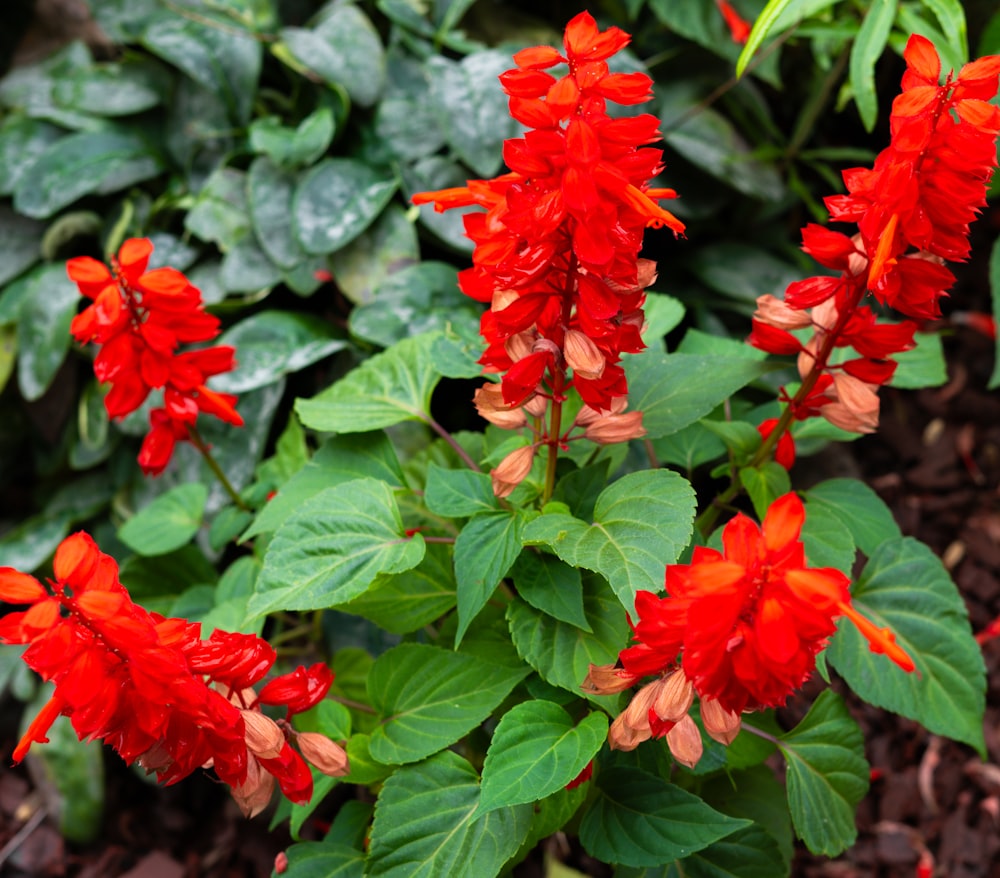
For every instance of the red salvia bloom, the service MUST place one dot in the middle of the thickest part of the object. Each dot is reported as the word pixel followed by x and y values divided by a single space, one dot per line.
pixel 147 685
pixel 557 245
pixel 739 28
pixel 747 622
pixel 913 211
pixel 140 318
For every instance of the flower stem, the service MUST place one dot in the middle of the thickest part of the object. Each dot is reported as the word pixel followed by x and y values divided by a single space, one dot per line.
pixel 452 441
pixel 213 465
pixel 555 418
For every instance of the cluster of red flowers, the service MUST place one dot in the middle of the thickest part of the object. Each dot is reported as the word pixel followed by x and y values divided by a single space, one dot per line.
pixel 747 623
pixel 149 687
pixel 912 211
pixel 556 253
pixel 140 318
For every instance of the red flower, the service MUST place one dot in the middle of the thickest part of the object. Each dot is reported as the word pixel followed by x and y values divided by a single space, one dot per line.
pixel 140 318
pixel 557 245
pixel 748 621
pixel 784 451
pixel 148 686
pixel 739 29
pixel 299 690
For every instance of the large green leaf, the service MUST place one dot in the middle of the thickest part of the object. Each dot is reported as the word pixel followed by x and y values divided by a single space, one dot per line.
pixel 136 84
pixel 22 141
pixel 293 147
pixel 390 387
pixel 333 547
pixel 551 586
pixel 747 853
pixel 271 344
pixel 867 49
pixel 220 213
pixel 904 586
pixel 269 194
pixel 562 653
pixel 167 523
pixel 639 819
pixel 484 551
pixel 20 243
pixel 426 824
pixel 323 859
pixel 337 200
pixel 91 161
pixel 213 51
pixel 642 522
pixel 48 301
pixel 428 698
pixel 536 750
pixel 858 508
pixel 457 493
pixel 921 366
pixel 343 49
pixel 406 120
pixel 339 459
pixel 827 775
pixel 674 390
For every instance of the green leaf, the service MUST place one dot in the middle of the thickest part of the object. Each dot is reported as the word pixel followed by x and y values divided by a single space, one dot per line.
pixel 562 653
pixel 642 522
pixel 827 775
pixel 551 586
pixel 428 698
pixel 167 523
pixel 293 147
pixel 339 459
pixel 333 547
pixel 867 49
pixel 536 750
pixel 426 825
pixel 951 16
pixel 91 161
pixel 20 243
pixel 995 297
pixel 22 141
pixel 484 551
pixel 271 344
pixel 388 245
pixel 364 769
pixel 415 299
pixel 859 508
pixel 457 493
pixel 742 272
pixel 406 122
pixel 922 366
pixel 323 859
pixel 220 213
pixel 214 51
pixel 827 540
pixel 337 200
pixel 472 107
pixel 904 586
pixel 269 193
pixel 747 853
pixel 762 26
pixel 49 300
pixel 689 448
pixel 390 387
pixel 343 49
pixel 410 600
pixel 674 390
pixel 765 484
pixel 639 819
pixel 663 313
pixel 132 86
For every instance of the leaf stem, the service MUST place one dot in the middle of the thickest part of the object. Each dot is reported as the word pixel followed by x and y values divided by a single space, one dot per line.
pixel 760 733
pixel 452 441
pixel 213 465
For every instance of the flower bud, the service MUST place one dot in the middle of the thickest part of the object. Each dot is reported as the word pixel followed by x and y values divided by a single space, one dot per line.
pixel 616 428
pixel 262 735
pixel 255 792
pixel 721 725
pixel 684 741
pixel 518 346
pixel 606 680
pixel 636 715
pixel 582 355
pixel 503 298
pixel 674 698
pixel 775 312
pixel 320 751
pixel 588 415
pixel 536 406
pixel 512 470
pixel 621 736
pixel 489 403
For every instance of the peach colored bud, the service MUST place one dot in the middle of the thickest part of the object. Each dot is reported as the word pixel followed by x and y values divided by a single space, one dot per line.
pixel 825 314
pixel 684 741
pixel 616 428
pixel 262 735
pixel 841 416
pixel 859 396
pixel 675 697
pixel 721 725
pixel 606 680
pixel 775 312
pixel 857 262
pixel 489 403
pixel 546 345
pixel 622 736
pixel 519 346
pixel 645 275
pixel 536 406
pixel 156 758
pixel 637 713
pixel 807 357
pixel 503 298
pixel 255 792
pixel 320 751
pixel 587 415
pixel 582 355
pixel 512 470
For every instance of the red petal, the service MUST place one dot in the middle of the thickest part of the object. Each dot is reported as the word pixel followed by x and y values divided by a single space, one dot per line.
pixel 783 522
pixel 19 588
pixel 76 559
pixel 922 58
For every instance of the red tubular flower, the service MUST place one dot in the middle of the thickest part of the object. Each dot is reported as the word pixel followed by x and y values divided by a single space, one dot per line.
pixel 145 685
pixel 140 318
pixel 299 690
pixel 739 28
pixel 556 248
pixel 748 622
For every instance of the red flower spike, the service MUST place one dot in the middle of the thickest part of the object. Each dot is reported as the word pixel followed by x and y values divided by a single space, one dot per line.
pixel 557 246
pixel 749 621
pixel 140 318
pixel 299 690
